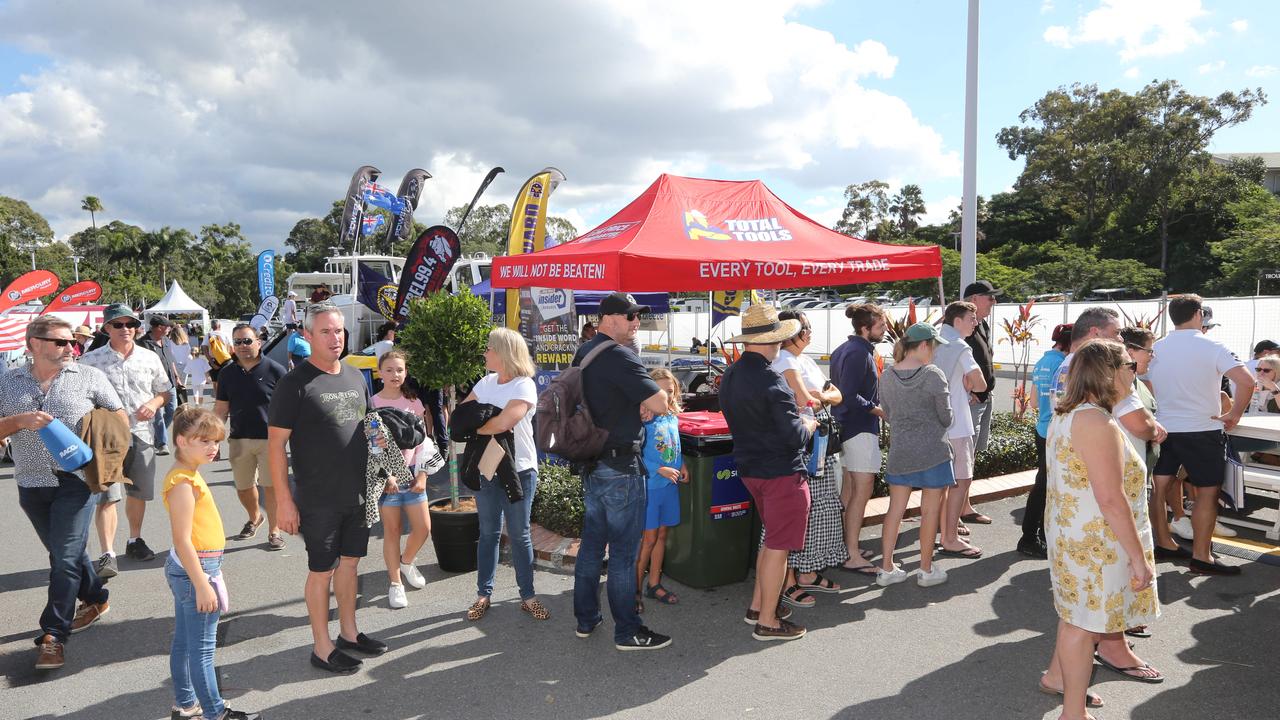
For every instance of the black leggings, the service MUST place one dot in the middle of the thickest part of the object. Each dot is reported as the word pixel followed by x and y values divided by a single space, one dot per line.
pixel 1033 516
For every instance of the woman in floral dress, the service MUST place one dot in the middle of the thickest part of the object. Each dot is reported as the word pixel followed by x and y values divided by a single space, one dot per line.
pixel 1100 550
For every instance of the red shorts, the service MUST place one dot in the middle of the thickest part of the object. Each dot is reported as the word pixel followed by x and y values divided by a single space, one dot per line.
pixel 784 508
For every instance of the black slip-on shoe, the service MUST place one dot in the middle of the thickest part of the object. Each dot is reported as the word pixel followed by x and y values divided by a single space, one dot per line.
pixel 363 643
pixel 338 662
pixel 1217 567
pixel 1180 553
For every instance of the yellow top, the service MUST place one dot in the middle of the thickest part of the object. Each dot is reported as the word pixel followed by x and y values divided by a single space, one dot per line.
pixel 206 523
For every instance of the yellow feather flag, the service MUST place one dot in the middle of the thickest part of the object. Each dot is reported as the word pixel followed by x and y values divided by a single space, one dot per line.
pixel 528 229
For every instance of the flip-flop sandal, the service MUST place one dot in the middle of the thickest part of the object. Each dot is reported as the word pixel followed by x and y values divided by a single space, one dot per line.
pixel 1142 631
pixel 867 554
pixel 971 553
pixel 666 598
pixel 861 569
pixel 976 518
pixel 1128 671
pixel 962 530
pixel 819 584
pixel 1090 699
pixel 796 597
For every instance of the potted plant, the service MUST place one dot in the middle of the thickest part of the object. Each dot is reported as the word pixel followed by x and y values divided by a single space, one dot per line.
pixel 445 338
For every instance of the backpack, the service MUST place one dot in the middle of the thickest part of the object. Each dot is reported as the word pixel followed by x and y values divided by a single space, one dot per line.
pixel 564 423
pixel 219 353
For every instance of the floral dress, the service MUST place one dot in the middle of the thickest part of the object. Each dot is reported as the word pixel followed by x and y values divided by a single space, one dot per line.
pixel 1088 568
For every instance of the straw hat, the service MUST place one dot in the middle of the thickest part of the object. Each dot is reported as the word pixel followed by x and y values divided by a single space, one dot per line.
pixel 83 331
pixel 761 326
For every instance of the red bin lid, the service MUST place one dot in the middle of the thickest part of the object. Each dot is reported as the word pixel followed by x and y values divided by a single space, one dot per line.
pixel 703 423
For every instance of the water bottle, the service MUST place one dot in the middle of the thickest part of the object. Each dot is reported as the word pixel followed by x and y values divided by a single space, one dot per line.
pixel 372 433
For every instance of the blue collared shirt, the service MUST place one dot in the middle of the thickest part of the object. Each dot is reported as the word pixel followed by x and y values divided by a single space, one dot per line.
pixel 853 371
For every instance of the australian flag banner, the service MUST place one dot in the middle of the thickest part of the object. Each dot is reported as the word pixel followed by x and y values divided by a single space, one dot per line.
pixel 378 196
pixel 376 291
pixel 353 204
pixel 371 223
pixel 409 192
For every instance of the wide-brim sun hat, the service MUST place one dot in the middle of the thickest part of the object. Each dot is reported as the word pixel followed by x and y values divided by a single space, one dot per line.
pixel 761 326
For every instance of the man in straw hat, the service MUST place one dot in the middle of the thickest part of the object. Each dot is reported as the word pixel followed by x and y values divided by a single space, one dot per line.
pixel 769 435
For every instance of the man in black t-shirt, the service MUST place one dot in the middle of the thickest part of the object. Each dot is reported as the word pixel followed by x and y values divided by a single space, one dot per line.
pixel 318 409
pixel 620 395
pixel 244 394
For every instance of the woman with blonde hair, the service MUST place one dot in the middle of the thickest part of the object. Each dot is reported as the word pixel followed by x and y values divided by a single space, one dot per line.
pixel 1101 557
pixel 179 344
pixel 509 385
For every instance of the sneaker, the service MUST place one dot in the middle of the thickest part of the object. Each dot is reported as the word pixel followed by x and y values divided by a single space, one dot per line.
pixel 106 567
pixel 230 714
pixel 49 654
pixel 250 529
pixel 935 576
pixel 410 574
pixel 1223 531
pixel 162 450
pixel 1182 528
pixel 396 598
pixel 753 616
pixel 139 551
pixel 275 541
pixel 645 639
pixel 885 579
pixel 786 630
pixel 177 713
pixel 585 632
pixel 88 614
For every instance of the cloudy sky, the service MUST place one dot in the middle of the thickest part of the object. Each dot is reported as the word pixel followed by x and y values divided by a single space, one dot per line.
pixel 188 113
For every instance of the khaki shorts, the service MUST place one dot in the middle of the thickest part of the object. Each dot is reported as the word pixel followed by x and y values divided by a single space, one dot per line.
pixel 962 463
pixel 249 463
pixel 862 453
pixel 140 468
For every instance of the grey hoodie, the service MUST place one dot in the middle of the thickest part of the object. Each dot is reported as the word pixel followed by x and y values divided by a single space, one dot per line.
pixel 918 409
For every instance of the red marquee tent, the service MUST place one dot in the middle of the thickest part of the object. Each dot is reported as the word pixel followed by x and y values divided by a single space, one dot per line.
pixel 689 234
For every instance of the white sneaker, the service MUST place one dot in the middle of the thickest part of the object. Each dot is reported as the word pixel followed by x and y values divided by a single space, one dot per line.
pixel 885 579
pixel 1182 528
pixel 396 598
pixel 1223 531
pixel 935 576
pixel 410 574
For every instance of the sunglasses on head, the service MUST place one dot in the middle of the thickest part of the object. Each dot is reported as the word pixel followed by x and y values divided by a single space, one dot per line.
pixel 131 324
pixel 242 341
pixel 60 342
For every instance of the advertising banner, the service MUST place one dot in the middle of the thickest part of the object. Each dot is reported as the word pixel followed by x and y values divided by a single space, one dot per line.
pixel 85 291
pixel 376 292
pixel 266 274
pixel 409 193
pixel 426 267
pixel 527 232
pixel 353 205
pixel 28 286
pixel 550 326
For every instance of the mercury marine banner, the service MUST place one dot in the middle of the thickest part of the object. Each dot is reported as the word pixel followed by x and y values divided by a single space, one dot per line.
pixel 266 274
pixel 409 192
pixel 426 267
pixel 376 291
pixel 527 232
pixel 353 205
pixel 32 285
pixel 266 311
pixel 85 291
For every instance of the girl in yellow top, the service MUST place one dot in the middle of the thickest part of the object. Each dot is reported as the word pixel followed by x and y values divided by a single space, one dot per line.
pixel 194 568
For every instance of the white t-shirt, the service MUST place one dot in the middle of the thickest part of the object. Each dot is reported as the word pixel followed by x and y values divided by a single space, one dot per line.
pixel 197 370
pixel 181 353
pixel 810 374
pixel 381 347
pixel 1186 375
pixel 1130 403
pixel 290 311
pixel 492 392
pixel 961 416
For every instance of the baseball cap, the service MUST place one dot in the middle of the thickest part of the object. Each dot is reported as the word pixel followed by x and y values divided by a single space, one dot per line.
pixel 117 311
pixel 157 320
pixel 924 331
pixel 292 294
pixel 1062 333
pixel 620 304
pixel 1265 346
pixel 1206 321
pixel 981 287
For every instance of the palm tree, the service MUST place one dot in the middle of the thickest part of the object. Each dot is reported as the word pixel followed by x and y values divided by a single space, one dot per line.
pixel 93 205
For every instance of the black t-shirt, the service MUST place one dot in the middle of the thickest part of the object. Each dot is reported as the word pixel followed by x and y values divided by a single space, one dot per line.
pixel 327 446
pixel 615 384
pixel 249 394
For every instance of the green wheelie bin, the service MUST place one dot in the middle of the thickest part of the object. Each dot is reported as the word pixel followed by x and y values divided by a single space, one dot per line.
pixel 712 544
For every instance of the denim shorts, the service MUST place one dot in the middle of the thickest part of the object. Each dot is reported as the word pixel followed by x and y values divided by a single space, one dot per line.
pixel 401 499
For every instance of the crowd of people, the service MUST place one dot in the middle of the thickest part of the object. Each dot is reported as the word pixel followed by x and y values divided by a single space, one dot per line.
pixel 1125 421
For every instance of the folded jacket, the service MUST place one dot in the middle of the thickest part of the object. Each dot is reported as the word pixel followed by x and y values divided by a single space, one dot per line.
pixel 467 418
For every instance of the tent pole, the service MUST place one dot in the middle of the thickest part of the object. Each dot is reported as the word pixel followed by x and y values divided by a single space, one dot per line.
pixel 670 339
pixel 942 293
pixel 710 312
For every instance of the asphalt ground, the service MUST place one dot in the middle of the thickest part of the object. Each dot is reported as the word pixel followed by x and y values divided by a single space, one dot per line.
pixel 972 648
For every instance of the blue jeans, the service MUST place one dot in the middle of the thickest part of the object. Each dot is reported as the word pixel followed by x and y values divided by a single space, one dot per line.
pixel 194 636
pixel 61 518
pixel 492 506
pixel 615 503
pixel 163 419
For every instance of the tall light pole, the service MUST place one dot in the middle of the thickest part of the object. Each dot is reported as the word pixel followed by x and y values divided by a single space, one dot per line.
pixel 76 259
pixel 969 214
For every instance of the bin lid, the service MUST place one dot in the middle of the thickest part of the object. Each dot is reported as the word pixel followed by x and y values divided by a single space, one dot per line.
pixel 702 423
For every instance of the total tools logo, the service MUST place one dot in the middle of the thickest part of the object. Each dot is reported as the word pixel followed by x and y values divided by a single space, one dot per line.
pixel 770 229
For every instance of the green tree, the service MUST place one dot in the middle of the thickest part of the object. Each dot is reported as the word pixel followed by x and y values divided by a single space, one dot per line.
pixel 866 206
pixel 1254 244
pixel 906 207
pixel 1078 270
pixel 94 206
pixel 21 229
pixel 487 226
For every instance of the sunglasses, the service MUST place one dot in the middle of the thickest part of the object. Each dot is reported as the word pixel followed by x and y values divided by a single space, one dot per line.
pixel 242 341
pixel 1261 370
pixel 1131 365
pixel 632 316
pixel 132 324
pixel 60 342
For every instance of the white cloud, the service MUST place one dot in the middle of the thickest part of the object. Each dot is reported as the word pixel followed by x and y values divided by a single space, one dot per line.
pixel 185 114
pixel 1213 67
pixel 1046 7
pixel 1140 28
pixel 1240 25
pixel 1261 71
pixel 1133 72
